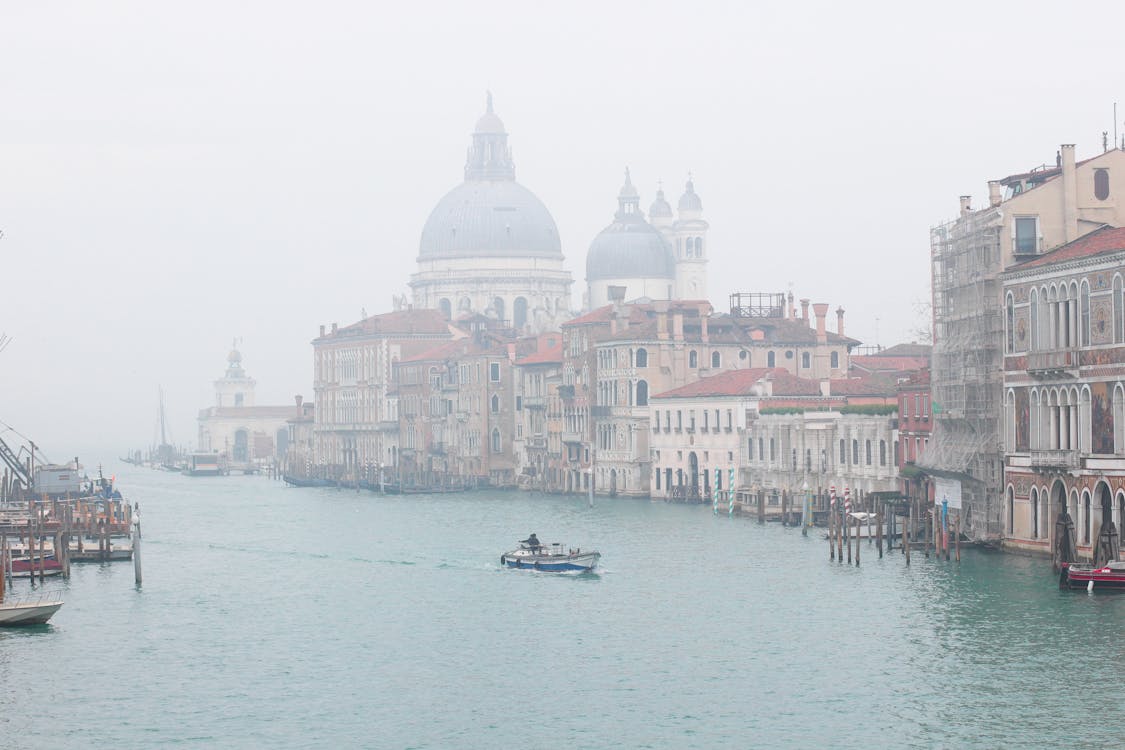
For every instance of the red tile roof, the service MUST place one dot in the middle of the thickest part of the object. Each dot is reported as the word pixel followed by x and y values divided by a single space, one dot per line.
pixel 880 363
pixel 729 383
pixel 1105 240
pixel 399 322
pixel 550 355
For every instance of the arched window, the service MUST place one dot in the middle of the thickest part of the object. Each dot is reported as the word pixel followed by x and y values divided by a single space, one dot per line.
pixel 1011 511
pixel 495 403
pixel 834 360
pixel 690 244
pixel 1084 304
pixel 498 307
pixel 699 247
pixel 806 360
pixel 1034 513
pixel 882 452
pixel 1010 323
pixel 1034 309
pixel 642 358
pixel 843 451
pixel 692 359
pixel 1101 184
pixel 1118 311
pixel 642 393
pixel 446 308
pixel 771 360
pixel 519 312
pixel 867 450
pixel 855 452
pixel 716 360
pixel 495 440
pixel 1086 517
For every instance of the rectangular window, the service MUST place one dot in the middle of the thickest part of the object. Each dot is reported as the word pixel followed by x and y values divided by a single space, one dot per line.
pixel 761 449
pixel 1026 234
pixel 730 419
pixel 494 372
pixel 519 403
pixel 657 411
pixel 750 449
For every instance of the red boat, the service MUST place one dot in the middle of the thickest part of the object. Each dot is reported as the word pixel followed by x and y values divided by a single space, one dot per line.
pixel 1109 577
pixel 25 567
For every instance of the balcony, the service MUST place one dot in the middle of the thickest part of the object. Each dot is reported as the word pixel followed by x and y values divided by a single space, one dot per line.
pixel 537 441
pixel 1056 459
pixel 1053 362
pixel 535 402
pixel 387 425
pixel 573 437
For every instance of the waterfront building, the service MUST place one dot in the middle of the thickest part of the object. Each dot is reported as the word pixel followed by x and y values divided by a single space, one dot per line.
pixel 241 432
pixel 616 356
pixel 1027 215
pixel 457 411
pixel 538 438
pixel 1064 392
pixel 356 425
pixel 300 459
pixel 781 433
pixel 915 429
pixel 659 260
pixel 490 246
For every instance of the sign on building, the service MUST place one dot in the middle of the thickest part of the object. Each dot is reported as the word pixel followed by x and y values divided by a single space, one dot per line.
pixel 947 490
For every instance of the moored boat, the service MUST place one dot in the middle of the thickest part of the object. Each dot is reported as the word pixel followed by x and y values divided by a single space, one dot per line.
pixel 1111 576
pixel 553 557
pixel 293 481
pixel 29 612
pixel 28 567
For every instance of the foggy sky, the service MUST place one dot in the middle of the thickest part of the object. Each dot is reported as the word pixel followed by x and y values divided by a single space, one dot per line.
pixel 173 176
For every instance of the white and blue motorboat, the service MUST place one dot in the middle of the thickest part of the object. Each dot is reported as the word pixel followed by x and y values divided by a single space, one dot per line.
pixel 552 557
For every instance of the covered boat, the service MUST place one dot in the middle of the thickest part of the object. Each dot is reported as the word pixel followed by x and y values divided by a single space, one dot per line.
pixel 1094 578
pixel 553 557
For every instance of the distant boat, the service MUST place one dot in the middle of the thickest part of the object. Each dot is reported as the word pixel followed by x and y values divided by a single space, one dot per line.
pixel 204 464
pixel 550 558
pixel 307 481
pixel 30 612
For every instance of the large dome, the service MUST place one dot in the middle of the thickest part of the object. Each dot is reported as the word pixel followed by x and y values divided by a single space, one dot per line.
pixel 481 218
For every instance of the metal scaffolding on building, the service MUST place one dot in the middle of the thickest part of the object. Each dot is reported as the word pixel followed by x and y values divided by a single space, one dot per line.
pixel 967 366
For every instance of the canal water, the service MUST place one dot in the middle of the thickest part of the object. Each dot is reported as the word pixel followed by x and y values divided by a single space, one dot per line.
pixel 281 617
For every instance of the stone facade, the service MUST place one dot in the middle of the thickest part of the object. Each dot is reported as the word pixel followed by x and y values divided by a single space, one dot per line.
pixel 1064 392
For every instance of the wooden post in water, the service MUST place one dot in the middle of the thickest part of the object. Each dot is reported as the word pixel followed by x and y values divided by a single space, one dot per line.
pixel 839 531
pixel 857 544
pixel 831 535
pixel 957 536
pixel 906 532
pixel 3 562
pixel 137 544
pixel 879 528
pixel 761 506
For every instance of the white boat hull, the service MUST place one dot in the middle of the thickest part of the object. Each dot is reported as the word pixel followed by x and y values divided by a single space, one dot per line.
pixel 29 613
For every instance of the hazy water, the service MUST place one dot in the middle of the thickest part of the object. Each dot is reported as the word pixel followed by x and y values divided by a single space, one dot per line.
pixel 282 617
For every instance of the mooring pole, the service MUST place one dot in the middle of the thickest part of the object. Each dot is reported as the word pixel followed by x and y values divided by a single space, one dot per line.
pixel 137 542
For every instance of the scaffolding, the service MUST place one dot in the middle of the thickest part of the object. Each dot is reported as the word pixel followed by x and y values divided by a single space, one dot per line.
pixel 967 365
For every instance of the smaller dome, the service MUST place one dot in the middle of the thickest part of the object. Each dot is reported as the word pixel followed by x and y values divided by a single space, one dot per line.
pixel 628 191
pixel 690 201
pixel 489 122
pixel 660 208
pixel 629 250
pixel 234 357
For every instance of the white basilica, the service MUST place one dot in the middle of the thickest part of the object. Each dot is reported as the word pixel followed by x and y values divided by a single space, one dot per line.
pixel 660 259
pixel 490 246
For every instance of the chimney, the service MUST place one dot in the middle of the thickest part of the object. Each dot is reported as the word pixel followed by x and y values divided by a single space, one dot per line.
pixel 994 196
pixel 821 310
pixel 839 321
pixel 1070 193
pixel 790 311
pixel 805 310
pixel 334 328
pixel 322 330
pixel 298 398
pixel 966 205
pixel 616 294
pixel 704 336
